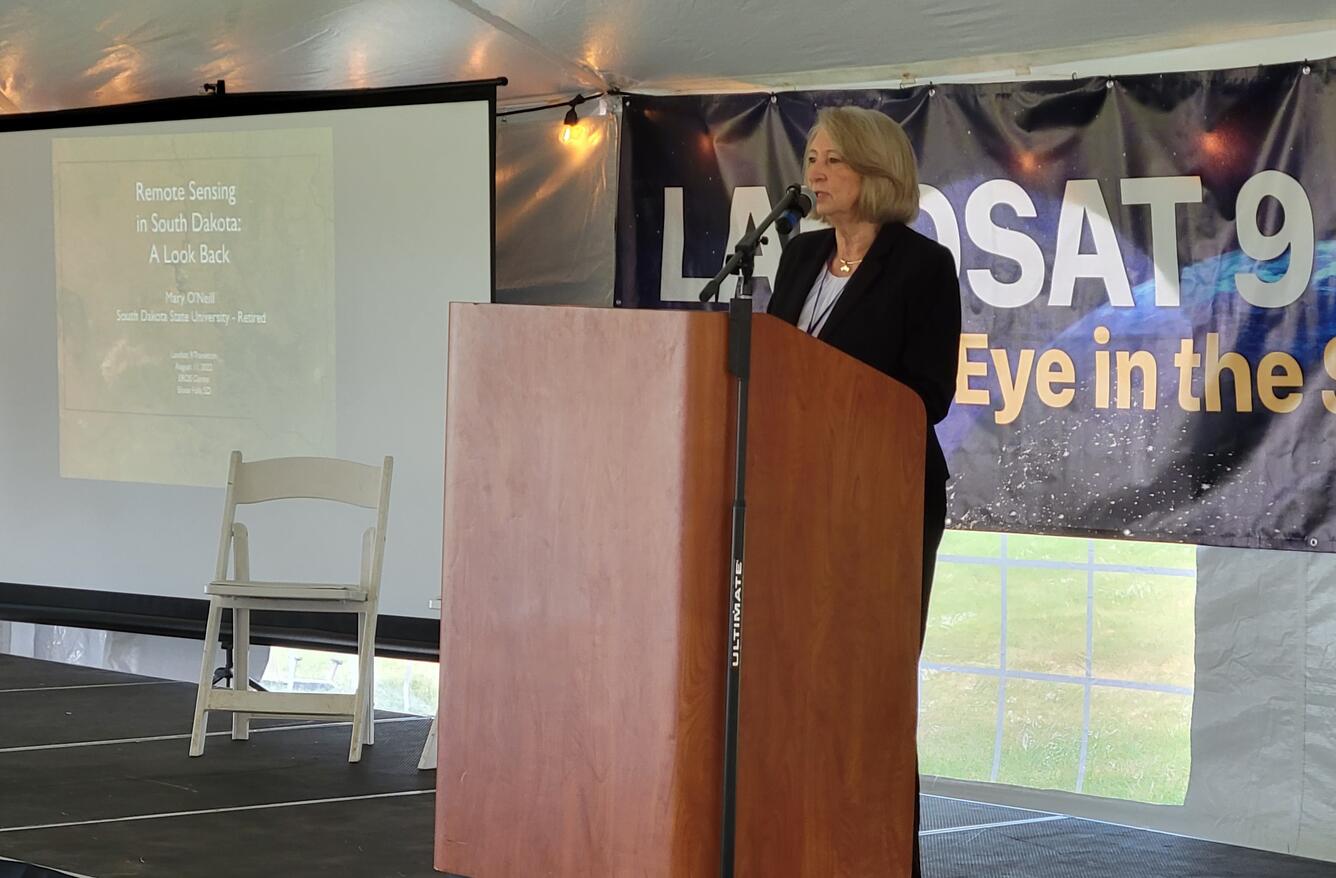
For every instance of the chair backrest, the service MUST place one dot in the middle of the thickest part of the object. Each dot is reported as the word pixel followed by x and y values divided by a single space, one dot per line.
pixel 311 478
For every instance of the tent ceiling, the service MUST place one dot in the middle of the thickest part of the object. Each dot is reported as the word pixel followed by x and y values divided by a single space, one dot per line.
pixel 66 53
pixel 690 43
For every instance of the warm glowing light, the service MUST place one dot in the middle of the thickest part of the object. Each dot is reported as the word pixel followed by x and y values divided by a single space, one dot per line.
pixel 582 140
pixel 578 134
pixel 1214 144
pixel 1028 162
pixel 358 69
pixel 478 53
pixel 601 39
pixel 570 126
pixel 12 62
pixel 119 72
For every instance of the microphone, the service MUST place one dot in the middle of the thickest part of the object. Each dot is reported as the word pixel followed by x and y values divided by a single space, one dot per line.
pixel 801 199
pixel 795 205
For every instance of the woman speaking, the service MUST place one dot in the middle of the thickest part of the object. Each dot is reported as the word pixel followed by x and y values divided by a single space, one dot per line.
pixel 874 288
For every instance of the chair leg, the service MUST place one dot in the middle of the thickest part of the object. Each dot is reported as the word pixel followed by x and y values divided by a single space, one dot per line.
pixel 369 730
pixel 366 655
pixel 427 761
pixel 370 735
pixel 240 669
pixel 197 731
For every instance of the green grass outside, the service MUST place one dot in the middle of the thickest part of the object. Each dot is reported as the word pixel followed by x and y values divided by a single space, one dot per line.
pixel 1144 628
pixel 965 622
pixel 1041 735
pixel 1167 555
pixel 1040 548
pixel 1140 747
pixel 968 542
pixel 1046 621
pixel 956 725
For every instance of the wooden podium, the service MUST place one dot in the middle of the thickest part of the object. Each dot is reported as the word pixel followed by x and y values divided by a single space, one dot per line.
pixel 589 481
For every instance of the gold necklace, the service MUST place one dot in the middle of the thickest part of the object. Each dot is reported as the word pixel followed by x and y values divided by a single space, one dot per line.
pixel 847 265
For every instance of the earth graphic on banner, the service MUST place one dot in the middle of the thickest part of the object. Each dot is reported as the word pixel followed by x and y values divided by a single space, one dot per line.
pixel 1256 478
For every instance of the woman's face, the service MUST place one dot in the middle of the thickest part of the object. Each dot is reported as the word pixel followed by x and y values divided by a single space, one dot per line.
pixel 835 184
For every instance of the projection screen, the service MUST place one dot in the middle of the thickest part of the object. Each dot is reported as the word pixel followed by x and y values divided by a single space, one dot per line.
pixel 270 273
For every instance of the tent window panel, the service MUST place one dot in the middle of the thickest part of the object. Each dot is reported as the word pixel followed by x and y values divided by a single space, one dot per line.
pixel 1061 663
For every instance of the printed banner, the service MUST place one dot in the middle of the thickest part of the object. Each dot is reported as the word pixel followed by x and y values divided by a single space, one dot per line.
pixel 1148 284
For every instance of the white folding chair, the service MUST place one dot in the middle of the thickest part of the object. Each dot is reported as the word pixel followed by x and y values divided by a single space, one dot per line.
pixel 427 761
pixel 285 478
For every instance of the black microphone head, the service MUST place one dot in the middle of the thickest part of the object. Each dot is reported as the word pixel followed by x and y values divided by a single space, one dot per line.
pixel 806 198
pixel 800 200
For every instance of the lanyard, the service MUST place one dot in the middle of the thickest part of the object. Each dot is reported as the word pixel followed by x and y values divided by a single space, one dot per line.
pixel 819 314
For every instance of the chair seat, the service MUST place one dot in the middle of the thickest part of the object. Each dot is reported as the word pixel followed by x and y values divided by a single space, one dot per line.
pixel 306 591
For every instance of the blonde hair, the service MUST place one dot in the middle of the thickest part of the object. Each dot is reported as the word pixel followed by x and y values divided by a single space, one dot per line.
pixel 875 146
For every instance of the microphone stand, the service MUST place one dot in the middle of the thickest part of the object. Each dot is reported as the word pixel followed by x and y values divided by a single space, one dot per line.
pixel 741 262
pixel 739 366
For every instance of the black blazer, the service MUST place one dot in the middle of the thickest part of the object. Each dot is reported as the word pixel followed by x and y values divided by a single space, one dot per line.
pixel 899 313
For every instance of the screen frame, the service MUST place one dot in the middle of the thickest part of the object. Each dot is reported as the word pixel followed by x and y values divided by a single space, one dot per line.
pixel 69 604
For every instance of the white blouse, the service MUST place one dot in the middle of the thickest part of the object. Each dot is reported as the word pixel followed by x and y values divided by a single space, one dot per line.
pixel 821 301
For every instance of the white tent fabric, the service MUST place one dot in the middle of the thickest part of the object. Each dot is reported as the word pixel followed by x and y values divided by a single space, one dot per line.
pixel 1264 764
pixel 555 207
pixel 68 53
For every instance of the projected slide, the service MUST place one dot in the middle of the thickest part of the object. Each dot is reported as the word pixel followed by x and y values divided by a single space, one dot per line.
pixel 195 301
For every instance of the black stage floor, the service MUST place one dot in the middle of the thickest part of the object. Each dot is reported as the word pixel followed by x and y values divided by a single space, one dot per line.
pixel 95 781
